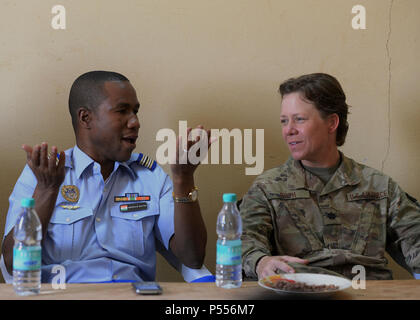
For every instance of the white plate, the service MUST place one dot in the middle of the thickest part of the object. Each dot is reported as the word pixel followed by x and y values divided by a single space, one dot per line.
pixel 310 279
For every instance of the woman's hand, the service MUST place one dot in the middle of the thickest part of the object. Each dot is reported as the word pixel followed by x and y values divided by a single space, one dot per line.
pixel 271 265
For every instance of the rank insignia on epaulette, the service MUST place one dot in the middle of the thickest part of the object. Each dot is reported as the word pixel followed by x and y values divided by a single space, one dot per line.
pixel 57 159
pixel 70 193
pixel 146 161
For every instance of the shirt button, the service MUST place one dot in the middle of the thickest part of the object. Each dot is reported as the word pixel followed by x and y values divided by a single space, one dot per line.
pixel 68 220
pixel 135 215
pixel 98 219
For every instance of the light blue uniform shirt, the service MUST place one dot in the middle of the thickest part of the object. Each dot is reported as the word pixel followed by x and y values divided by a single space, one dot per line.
pixel 99 241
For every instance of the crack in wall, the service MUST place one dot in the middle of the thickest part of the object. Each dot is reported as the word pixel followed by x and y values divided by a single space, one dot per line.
pixel 388 54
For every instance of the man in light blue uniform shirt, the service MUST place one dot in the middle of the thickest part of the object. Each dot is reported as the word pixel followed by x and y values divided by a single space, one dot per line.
pixel 103 209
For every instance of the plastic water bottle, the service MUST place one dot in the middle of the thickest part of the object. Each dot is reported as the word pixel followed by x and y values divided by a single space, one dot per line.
pixel 27 251
pixel 229 245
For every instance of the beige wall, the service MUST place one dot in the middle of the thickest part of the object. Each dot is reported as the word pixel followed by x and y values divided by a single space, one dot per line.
pixel 217 63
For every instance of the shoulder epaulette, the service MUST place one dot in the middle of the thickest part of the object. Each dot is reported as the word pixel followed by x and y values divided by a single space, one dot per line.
pixel 146 161
pixel 416 202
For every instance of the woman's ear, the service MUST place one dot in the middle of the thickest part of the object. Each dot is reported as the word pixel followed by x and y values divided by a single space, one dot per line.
pixel 333 122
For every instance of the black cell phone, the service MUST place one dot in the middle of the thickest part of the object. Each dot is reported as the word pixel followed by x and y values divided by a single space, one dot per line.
pixel 147 287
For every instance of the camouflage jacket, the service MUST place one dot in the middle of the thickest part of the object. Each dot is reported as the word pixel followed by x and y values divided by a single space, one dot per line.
pixel 351 220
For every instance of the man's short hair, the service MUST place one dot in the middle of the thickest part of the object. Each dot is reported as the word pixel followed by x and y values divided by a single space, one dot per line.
pixel 88 91
pixel 325 92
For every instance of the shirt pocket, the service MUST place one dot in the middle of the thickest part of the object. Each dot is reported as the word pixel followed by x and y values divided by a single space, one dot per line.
pixel 295 235
pixel 133 230
pixel 370 231
pixel 357 228
pixel 61 230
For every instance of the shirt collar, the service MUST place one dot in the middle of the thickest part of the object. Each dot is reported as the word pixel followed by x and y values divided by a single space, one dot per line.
pixel 127 165
pixel 347 173
pixel 296 175
pixel 81 161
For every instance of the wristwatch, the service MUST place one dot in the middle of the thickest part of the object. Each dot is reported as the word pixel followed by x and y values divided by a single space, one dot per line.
pixel 192 196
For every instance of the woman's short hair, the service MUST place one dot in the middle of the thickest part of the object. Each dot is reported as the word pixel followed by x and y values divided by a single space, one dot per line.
pixel 325 92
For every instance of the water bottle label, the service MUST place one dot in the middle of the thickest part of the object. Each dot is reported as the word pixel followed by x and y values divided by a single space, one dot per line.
pixel 27 258
pixel 229 253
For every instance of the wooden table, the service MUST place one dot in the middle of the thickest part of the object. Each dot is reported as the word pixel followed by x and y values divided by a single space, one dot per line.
pixel 250 290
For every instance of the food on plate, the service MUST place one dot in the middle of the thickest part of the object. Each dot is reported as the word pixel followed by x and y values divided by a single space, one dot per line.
pixel 278 282
pixel 303 287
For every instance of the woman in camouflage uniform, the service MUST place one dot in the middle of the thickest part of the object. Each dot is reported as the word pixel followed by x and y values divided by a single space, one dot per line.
pixel 322 212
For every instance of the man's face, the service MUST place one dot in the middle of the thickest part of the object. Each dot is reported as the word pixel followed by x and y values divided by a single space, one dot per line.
pixel 114 125
pixel 305 132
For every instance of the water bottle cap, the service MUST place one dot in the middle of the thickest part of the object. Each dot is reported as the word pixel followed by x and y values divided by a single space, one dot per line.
pixel 27 202
pixel 229 197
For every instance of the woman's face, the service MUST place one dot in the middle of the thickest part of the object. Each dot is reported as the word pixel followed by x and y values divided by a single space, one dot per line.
pixel 309 137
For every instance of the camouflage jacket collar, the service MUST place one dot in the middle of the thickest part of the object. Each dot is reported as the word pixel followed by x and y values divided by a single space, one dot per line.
pixel 348 173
